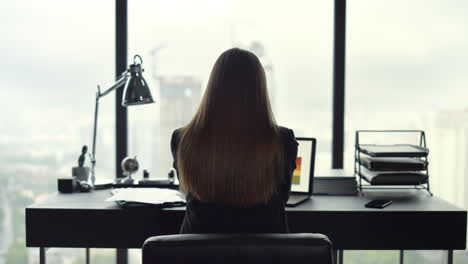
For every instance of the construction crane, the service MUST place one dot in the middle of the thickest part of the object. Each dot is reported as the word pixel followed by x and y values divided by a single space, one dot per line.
pixel 154 55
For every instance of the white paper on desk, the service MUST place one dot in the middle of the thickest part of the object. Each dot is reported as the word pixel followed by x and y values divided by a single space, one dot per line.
pixel 146 195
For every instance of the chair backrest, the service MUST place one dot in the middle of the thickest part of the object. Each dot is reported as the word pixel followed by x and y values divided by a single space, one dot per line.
pixel 238 248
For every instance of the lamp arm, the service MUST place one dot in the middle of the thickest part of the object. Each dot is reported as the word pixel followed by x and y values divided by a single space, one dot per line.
pixel 118 83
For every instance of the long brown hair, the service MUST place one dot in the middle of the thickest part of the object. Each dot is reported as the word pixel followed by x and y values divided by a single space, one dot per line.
pixel 231 151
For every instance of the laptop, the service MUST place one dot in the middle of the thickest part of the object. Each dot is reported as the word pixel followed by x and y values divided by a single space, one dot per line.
pixel 303 175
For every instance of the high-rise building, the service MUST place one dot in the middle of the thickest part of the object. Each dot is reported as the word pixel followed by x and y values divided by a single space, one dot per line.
pixel 258 49
pixel 179 99
pixel 450 142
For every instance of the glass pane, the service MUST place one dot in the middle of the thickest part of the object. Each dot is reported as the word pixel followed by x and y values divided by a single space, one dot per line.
pixel 406 69
pixel 54 53
pixel 371 257
pixel 180 41
pixel 74 256
pixel 460 256
pixel 134 256
pixel 426 256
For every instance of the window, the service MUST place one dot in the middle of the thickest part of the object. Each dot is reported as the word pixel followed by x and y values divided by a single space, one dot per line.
pixel 54 53
pixel 410 54
pixel 180 41
pixel 406 69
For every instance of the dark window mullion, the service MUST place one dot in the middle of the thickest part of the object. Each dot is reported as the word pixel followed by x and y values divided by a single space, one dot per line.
pixel 120 66
pixel 121 50
pixel 339 52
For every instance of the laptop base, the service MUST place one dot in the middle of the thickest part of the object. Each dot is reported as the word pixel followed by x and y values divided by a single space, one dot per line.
pixel 296 199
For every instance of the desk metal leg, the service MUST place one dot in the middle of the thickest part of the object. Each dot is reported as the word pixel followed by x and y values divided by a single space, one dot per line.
pixel 42 255
pixel 122 256
pixel 87 256
pixel 450 257
pixel 402 256
pixel 335 256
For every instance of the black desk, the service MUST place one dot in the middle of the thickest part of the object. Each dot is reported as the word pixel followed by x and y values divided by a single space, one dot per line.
pixel 415 221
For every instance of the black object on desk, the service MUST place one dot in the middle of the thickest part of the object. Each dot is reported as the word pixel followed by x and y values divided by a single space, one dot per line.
pixel 335 186
pixel 379 203
pixel 67 185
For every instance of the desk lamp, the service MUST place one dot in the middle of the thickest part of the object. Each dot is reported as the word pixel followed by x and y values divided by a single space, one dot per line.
pixel 136 92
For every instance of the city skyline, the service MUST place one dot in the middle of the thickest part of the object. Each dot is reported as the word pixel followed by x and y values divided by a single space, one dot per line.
pixel 408 54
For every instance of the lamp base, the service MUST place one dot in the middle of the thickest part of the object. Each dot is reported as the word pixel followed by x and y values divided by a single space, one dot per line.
pixel 103 183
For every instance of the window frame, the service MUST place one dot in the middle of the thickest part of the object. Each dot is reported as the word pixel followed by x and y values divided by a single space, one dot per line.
pixel 338 95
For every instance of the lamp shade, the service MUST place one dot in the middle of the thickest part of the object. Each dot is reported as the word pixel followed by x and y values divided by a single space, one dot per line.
pixel 136 89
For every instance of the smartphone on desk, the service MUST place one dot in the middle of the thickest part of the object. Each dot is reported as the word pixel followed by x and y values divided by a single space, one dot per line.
pixel 379 203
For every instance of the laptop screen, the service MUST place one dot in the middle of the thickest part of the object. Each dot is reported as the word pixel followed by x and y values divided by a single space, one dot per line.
pixel 303 174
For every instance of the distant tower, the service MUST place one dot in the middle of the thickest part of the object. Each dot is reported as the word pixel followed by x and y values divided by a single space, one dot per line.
pixel 179 96
pixel 449 147
pixel 259 49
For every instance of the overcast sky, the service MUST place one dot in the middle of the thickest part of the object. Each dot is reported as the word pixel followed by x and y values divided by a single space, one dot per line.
pixel 404 54
pixel 54 51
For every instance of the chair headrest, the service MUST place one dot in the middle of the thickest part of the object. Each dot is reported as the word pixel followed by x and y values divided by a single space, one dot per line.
pixel 238 248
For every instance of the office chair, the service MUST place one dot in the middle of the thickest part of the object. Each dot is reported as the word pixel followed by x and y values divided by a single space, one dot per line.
pixel 238 248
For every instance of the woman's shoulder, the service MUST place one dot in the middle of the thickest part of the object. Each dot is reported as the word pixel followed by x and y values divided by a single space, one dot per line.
pixel 175 138
pixel 288 137
pixel 287 132
pixel 176 132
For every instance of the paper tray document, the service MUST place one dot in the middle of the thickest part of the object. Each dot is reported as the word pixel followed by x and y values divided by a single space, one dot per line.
pixel 154 196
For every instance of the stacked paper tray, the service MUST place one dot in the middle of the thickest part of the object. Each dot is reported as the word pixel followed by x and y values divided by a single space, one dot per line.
pixel 393 164
pixel 129 197
pixel 393 177
pixel 399 150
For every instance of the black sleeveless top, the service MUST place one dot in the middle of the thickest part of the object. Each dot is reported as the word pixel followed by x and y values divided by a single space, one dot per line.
pixel 207 217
